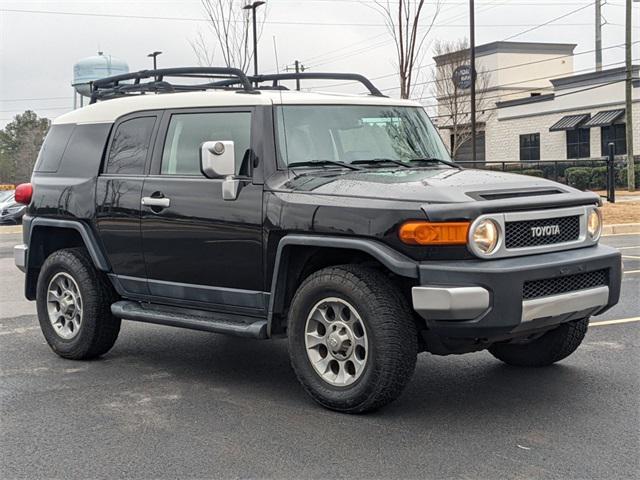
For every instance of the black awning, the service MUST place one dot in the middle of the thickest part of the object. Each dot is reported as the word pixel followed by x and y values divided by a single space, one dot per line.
pixel 570 122
pixel 602 119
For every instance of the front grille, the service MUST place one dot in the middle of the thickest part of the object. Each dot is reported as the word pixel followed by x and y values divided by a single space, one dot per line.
pixel 570 283
pixel 532 233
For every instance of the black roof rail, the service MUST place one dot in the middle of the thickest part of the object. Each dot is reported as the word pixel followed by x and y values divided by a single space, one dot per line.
pixel 120 85
pixel 356 77
pixel 276 77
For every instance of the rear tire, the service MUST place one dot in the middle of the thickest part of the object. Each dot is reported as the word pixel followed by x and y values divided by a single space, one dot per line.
pixel 352 341
pixel 74 306
pixel 551 347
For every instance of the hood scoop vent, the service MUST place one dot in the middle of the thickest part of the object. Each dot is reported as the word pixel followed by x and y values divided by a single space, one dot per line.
pixel 513 194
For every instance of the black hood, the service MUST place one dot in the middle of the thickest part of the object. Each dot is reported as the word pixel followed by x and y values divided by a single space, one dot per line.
pixel 428 185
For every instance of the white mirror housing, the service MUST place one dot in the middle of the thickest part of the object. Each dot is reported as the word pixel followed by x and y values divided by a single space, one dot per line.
pixel 218 159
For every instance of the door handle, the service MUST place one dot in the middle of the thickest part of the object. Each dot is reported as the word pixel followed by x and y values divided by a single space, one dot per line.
pixel 162 202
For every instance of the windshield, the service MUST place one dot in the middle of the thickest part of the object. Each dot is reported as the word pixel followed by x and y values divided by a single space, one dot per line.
pixel 355 133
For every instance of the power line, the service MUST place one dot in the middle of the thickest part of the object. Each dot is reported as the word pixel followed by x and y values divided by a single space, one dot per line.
pixel 433 64
pixel 555 96
pixel 530 63
pixel 359 50
pixel 421 67
pixel 524 90
pixel 271 22
pixel 32 99
pixel 548 22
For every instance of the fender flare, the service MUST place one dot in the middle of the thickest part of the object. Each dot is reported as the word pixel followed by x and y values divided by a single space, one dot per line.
pixel 392 259
pixel 88 238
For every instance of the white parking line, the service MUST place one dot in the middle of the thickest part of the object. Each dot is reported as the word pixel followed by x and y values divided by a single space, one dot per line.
pixel 628 248
pixel 631 271
pixel 633 257
pixel 614 322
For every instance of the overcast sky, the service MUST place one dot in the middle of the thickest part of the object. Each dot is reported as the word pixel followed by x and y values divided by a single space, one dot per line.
pixel 38 50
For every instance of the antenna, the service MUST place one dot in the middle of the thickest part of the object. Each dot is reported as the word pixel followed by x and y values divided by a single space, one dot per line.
pixel 275 52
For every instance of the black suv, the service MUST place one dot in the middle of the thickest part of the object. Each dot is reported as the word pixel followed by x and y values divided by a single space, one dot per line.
pixel 236 206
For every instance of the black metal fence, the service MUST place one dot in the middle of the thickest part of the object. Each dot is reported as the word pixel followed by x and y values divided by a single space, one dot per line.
pixel 602 173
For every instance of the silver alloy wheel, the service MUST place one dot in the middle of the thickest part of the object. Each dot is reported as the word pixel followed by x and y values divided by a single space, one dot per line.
pixel 64 305
pixel 336 341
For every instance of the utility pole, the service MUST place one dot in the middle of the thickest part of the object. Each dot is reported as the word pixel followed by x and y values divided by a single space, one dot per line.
pixel 297 67
pixel 598 35
pixel 253 6
pixel 631 178
pixel 472 50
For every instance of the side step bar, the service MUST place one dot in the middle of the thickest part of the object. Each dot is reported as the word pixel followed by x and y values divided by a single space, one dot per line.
pixel 193 319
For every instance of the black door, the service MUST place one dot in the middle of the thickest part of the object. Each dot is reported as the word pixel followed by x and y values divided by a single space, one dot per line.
pixel 198 247
pixel 118 192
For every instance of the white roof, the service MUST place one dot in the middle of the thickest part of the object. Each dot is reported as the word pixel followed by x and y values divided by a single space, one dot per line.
pixel 107 111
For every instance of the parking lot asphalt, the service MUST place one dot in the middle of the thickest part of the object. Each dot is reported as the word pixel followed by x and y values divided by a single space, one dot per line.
pixel 171 403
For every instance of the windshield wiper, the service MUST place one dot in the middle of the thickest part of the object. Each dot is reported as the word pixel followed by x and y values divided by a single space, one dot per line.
pixel 381 160
pixel 310 163
pixel 439 160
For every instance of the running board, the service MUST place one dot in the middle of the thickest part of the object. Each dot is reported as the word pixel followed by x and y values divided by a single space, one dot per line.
pixel 193 319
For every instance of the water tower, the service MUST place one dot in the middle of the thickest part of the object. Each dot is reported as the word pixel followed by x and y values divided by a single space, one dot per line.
pixel 92 68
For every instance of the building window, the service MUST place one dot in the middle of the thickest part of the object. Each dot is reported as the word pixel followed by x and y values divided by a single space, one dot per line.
pixel 579 143
pixel 529 147
pixel 617 134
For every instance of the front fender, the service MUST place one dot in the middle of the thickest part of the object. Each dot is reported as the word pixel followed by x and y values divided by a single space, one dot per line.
pixel 393 260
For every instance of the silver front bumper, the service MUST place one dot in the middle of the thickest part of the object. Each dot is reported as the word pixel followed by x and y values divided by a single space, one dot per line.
pixel 450 303
pixel 564 303
pixel 20 256
pixel 466 303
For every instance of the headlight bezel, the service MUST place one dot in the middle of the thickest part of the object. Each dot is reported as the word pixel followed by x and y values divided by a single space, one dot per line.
pixel 473 244
pixel 594 237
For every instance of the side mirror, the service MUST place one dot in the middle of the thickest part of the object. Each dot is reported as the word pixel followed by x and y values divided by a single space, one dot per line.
pixel 218 159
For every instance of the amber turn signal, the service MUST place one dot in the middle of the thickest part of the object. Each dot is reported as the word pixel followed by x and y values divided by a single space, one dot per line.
pixel 434 233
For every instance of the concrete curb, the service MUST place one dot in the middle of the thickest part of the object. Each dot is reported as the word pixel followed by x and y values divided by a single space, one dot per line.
pixel 621 228
pixel 10 229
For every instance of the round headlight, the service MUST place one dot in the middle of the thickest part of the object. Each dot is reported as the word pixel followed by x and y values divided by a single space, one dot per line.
pixel 594 224
pixel 485 236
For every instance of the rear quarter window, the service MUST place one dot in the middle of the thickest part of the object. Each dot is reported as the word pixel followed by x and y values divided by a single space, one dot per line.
pixel 130 146
pixel 53 148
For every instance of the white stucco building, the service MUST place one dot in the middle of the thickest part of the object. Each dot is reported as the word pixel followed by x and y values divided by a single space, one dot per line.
pixel 536 108
pixel 577 119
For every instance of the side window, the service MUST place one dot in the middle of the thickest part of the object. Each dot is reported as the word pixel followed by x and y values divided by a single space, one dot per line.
pixel 53 147
pixel 188 131
pixel 129 147
pixel 530 147
pixel 579 143
pixel 617 134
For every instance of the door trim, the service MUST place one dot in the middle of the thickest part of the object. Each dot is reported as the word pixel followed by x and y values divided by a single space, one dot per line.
pixel 192 293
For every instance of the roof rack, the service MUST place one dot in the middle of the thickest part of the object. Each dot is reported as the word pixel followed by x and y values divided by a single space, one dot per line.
pixel 219 78
pixel 355 77
pixel 276 77
pixel 121 85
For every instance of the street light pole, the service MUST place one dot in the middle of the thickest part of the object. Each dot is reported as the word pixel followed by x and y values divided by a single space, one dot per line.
pixel 472 51
pixel 253 6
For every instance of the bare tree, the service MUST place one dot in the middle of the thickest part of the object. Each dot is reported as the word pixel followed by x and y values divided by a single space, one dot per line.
pixel 454 103
pixel 229 31
pixel 409 30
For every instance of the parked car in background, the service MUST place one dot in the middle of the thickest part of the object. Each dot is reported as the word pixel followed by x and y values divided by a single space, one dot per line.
pixel 11 212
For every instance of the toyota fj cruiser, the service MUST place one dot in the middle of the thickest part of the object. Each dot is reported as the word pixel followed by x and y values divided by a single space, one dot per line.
pixel 229 204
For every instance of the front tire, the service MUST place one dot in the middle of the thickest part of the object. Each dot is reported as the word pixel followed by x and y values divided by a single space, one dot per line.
pixel 352 341
pixel 74 306
pixel 550 348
